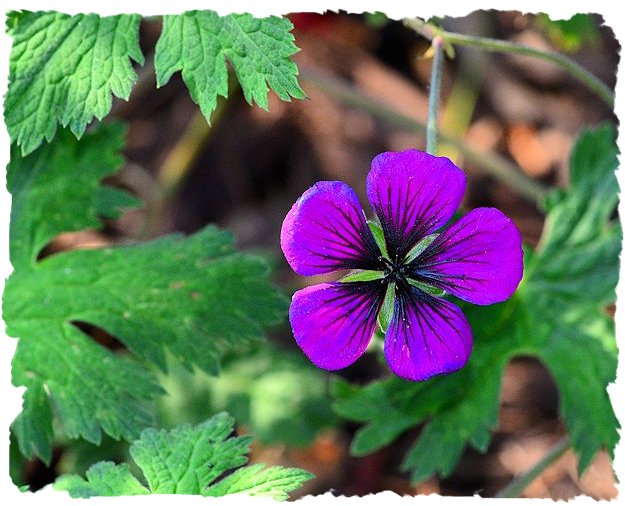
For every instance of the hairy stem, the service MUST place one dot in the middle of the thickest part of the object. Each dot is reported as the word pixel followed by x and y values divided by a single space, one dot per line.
pixel 501 46
pixel 516 487
pixel 491 163
pixel 431 141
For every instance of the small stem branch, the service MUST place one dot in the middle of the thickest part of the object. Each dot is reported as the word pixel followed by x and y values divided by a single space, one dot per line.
pixel 516 487
pixel 501 46
pixel 431 141
pixel 491 163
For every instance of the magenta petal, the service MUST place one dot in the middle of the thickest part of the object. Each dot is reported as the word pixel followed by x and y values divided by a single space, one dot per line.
pixel 413 194
pixel 333 322
pixel 427 336
pixel 326 230
pixel 478 259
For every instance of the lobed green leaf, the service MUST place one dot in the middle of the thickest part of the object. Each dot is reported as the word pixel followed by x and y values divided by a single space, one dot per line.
pixel 188 460
pixel 103 479
pixel 198 43
pixel 195 297
pixel 63 70
pixel 557 315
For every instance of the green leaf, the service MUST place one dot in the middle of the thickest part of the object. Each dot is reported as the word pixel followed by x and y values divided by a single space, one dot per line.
pixel 274 392
pixel 63 70
pixel 570 35
pixel 188 460
pixel 275 482
pixel 103 479
pixel 33 426
pixel 193 296
pixel 469 419
pixel 557 315
pixel 198 43
pixel 570 281
pixel 57 189
pixel 387 406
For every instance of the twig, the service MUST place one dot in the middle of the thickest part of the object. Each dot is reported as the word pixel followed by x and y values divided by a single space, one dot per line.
pixel 516 487
pixel 491 163
pixel 434 97
pixel 502 46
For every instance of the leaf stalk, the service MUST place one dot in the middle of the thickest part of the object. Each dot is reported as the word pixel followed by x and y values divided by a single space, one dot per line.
pixel 516 487
pixel 501 46
pixel 431 130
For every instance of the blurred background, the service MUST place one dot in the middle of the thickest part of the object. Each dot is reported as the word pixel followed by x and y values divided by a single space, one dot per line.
pixel 366 78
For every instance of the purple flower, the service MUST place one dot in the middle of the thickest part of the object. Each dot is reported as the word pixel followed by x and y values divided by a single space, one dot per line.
pixel 400 266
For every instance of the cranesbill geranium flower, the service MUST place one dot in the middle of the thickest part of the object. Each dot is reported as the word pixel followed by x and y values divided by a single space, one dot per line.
pixel 401 266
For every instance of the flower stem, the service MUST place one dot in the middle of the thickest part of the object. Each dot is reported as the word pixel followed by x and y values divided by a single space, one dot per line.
pixel 491 163
pixel 516 487
pixel 501 46
pixel 431 141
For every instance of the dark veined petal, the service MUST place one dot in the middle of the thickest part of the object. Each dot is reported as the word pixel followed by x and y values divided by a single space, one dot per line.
pixel 326 230
pixel 427 336
pixel 478 259
pixel 413 194
pixel 334 322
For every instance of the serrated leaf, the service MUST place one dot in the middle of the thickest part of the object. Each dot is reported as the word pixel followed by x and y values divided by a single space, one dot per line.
pixel 573 277
pixel 63 70
pixel 198 43
pixel 194 296
pixel 103 479
pixel 57 189
pixel 188 460
pixel 275 482
pixel 584 401
pixel 469 419
pixel 33 426
pixel 557 315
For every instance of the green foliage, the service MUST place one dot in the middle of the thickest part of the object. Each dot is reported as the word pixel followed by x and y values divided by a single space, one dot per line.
pixel 57 189
pixel 376 19
pixel 570 35
pixel 198 43
pixel 188 460
pixel 273 392
pixel 557 315
pixel 193 296
pixel 103 479
pixel 34 424
pixel 570 281
pixel 63 69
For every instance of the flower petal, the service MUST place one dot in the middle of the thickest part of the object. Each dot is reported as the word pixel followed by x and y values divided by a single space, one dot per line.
pixel 333 322
pixel 427 336
pixel 326 230
pixel 413 194
pixel 479 258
